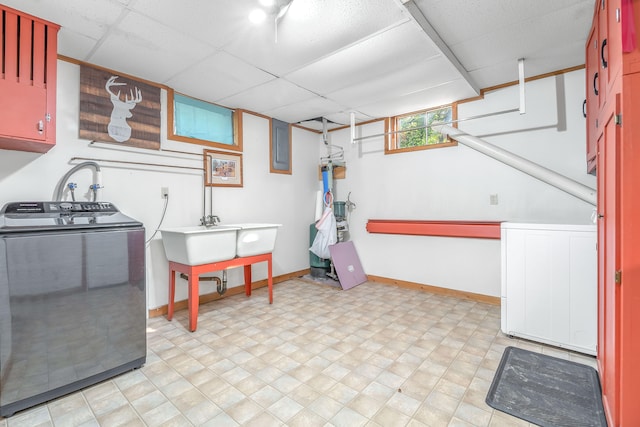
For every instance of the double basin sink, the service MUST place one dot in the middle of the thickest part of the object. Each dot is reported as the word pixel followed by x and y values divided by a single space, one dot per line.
pixel 204 245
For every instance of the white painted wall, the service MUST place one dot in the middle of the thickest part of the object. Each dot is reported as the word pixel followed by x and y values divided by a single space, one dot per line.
pixel 455 184
pixel 136 190
pixel 446 184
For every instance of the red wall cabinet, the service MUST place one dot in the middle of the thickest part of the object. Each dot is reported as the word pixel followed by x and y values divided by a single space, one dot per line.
pixel 593 95
pixel 613 147
pixel 27 82
pixel 603 61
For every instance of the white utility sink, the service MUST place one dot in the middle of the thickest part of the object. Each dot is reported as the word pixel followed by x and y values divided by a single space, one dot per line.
pixel 200 245
pixel 203 245
pixel 255 239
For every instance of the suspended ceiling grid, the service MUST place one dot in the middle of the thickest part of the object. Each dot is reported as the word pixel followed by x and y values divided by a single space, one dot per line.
pixel 331 57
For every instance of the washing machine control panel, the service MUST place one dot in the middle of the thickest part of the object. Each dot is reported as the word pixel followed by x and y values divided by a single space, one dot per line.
pixel 80 207
pixel 45 208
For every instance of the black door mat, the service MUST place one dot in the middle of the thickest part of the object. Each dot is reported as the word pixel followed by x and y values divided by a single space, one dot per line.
pixel 547 391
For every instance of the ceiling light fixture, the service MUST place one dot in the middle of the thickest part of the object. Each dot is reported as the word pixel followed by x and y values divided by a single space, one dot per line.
pixel 278 8
pixel 257 16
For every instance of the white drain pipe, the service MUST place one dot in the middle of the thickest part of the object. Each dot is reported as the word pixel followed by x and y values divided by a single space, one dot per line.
pixel 548 176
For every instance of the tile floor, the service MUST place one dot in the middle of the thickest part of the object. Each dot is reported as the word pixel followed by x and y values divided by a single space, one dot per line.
pixel 374 355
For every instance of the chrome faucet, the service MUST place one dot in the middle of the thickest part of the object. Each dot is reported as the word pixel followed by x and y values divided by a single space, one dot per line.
pixel 209 220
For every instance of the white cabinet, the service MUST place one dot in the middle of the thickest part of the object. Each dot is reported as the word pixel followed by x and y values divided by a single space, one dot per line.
pixel 549 284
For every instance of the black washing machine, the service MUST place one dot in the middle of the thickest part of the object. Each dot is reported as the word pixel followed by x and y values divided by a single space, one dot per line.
pixel 72 299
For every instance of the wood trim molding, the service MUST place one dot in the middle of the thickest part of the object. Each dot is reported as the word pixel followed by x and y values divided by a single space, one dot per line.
pixel 516 82
pixel 109 70
pixel 296 125
pixel 236 118
pixel 487 299
pixel 476 98
pixel 205 298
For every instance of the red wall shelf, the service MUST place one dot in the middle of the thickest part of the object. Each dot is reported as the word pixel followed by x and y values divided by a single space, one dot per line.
pixel 472 229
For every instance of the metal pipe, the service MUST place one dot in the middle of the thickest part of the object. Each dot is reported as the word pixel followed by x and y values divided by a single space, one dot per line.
pixel 110 146
pixel 221 285
pixel 434 125
pixel 204 196
pixel 164 150
pixel 325 135
pixel 521 85
pixel 352 123
pixel 222 288
pixel 63 181
pixel 548 176
pixel 138 163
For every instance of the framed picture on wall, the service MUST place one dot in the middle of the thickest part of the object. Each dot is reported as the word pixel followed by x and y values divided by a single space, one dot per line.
pixel 118 109
pixel 222 169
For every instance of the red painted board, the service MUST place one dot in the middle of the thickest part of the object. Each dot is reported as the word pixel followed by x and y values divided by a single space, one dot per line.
pixel 472 229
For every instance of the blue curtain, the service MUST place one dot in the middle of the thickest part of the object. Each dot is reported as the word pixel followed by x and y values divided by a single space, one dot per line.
pixel 202 120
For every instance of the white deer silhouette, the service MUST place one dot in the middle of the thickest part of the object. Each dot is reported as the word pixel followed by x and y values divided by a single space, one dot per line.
pixel 118 128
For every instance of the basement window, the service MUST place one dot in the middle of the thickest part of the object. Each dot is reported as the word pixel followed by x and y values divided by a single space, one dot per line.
pixel 200 122
pixel 412 131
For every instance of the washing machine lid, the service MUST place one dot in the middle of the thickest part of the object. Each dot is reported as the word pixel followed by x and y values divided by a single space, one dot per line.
pixel 18 217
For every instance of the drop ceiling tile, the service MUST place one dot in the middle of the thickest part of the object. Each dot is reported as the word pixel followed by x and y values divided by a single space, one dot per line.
pixel 335 120
pixel 344 117
pixel 218 76
pixel 428 73
pixel 304 110
pixel 346 53
pixel 140 47
pixel 89 17
pixel 268 96
pixel 511 29
pixel 457 21
pixel 386 52
pixel 74 45
pixel 555 58
pixel 520 40
pixel 312 29
pixel 424 99
pixel 214 22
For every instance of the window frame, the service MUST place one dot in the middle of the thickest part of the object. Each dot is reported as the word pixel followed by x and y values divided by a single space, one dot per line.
pixel 392 130
pixel 173 134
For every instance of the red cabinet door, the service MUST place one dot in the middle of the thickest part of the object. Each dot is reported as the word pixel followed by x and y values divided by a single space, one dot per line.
pixel 609 45
pixel 628 236
pixel 608 260
pixel 611 53
pixel 27 82
pixel 592 94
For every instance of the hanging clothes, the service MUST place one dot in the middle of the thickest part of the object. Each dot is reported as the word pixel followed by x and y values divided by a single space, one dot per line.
pixel 327 234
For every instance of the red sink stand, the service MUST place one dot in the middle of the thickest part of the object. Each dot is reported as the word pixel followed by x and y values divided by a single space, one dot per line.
pixel 194 271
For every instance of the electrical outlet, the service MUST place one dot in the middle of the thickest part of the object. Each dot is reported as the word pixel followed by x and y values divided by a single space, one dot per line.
pixel 165 192
pixel 493 199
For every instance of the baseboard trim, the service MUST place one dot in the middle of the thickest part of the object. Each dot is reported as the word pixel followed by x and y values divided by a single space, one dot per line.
pixel 205 298
pixel 436 290
pixel 213 296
